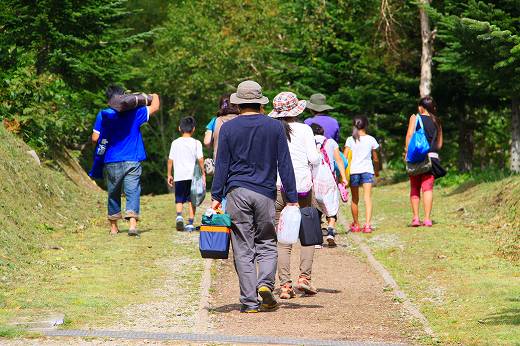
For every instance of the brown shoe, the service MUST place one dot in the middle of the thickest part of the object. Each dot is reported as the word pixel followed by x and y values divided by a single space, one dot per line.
pixel 304 284
pixel 287 292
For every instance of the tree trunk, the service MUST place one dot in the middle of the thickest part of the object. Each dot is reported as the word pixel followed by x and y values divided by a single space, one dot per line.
pixel 425 86
pixel 515 135
pixel 466 141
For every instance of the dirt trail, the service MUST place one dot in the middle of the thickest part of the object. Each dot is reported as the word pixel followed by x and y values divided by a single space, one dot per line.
pixel 351 304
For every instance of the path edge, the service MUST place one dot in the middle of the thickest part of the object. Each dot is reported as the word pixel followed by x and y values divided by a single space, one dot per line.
pixel 389 280
pixel 202 321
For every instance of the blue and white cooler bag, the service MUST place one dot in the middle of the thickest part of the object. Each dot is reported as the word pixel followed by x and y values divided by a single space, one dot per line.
pixel 215 235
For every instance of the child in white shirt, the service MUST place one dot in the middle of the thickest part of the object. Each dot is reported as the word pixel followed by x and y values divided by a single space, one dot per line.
pixel 364 160
pixel 185 153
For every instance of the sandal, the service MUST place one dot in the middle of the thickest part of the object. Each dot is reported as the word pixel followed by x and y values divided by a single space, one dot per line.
pixel 287 292
pixel 368 228
pixel 427 223
pixel 354 227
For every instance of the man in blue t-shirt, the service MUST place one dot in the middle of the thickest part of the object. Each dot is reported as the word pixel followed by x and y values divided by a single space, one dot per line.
pixel 123 156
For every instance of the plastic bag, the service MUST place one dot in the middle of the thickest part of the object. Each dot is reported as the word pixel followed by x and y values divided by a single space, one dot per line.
pixel 289 225
pixel 326 190
pixel 418 147
pixel 198 187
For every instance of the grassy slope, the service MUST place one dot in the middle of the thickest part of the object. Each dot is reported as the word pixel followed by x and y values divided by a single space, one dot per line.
pixel 90 276
pixel 457 272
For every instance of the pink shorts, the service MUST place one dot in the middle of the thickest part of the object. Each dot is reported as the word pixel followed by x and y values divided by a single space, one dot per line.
pixel 420 182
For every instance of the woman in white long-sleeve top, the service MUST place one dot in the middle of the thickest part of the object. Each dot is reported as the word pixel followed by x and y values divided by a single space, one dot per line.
pixel 302 148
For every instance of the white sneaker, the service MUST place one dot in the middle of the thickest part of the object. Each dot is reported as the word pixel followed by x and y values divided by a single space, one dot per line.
pixel 179 222
pixel 318 246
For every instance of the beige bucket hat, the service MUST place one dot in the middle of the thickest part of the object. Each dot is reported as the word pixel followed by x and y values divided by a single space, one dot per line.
pixel 249 92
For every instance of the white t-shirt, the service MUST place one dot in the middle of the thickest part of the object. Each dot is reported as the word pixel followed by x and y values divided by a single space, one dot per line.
pixel 362 154
pixel 303 154
pixel 330 146
pixel 184 152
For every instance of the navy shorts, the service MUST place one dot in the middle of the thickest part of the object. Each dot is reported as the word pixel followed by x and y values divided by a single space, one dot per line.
pixel 182 191
pixel 360 179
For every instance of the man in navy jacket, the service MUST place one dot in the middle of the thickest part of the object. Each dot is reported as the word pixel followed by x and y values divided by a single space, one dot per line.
pixel 252 149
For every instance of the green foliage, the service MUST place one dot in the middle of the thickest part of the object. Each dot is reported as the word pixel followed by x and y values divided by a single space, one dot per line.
pixel 57 56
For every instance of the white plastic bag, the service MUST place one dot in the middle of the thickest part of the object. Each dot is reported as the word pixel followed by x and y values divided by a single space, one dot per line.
pixel 325 190
pixel 289 225
pixel 198 187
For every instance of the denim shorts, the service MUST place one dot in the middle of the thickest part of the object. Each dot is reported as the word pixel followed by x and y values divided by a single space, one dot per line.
pixel 360 179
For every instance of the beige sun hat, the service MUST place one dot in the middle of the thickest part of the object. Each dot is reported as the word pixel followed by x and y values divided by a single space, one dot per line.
pixel 318 103
pixel 248 92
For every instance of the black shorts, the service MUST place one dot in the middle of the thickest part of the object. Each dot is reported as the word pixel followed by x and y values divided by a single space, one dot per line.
pixel 182 191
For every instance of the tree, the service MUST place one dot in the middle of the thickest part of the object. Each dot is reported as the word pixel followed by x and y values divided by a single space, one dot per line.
pixel 482 43
pixel 427 37
pixel 56 57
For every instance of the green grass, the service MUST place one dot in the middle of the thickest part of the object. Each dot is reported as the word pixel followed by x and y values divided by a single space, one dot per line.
pixel 95 275
pixel 56 254
pixel 460 272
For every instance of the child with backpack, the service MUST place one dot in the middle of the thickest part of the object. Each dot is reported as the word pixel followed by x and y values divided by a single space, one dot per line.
pixel 185 153
pixel 330 150
pixel 364 165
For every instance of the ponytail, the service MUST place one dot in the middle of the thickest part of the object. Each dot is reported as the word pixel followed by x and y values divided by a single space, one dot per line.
pixel 359 123
pixel 429 104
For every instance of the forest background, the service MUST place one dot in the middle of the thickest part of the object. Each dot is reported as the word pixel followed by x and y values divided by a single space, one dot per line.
pixel 57 58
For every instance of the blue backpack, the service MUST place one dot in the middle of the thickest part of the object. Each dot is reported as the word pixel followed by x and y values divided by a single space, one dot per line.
pixel 419 146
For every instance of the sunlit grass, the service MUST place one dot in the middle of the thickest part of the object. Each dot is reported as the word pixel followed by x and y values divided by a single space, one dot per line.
pixel 455 271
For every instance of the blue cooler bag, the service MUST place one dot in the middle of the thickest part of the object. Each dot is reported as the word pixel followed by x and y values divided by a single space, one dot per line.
pixel 215 235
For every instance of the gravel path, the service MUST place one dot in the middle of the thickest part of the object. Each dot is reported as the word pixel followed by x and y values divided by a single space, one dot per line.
pixel 351 304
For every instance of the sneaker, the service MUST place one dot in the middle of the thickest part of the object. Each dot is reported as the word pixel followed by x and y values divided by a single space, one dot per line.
pixel 304 284
pixel 354 227
pixel 179 221
pixel 133 233
pixel 248 309
pixel 331 241
pixel 427 223
pixel 268 300
pixel 368 228
pixel 287 292
pixel 189 228
pixel 415 222
pixel 318 246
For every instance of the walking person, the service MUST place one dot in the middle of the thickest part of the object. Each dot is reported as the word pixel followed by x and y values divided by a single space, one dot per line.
pixel 252 149
pixel 364 165
pixel 319 109
pixel 302 149
pixel 185 153
pixel 330 147
pixel 427 109
pixel 208 135
pixel 123 156
pixel 227 111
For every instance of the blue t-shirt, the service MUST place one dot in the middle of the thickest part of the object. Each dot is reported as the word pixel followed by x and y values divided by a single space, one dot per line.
pixel 211 124
pixel 123 132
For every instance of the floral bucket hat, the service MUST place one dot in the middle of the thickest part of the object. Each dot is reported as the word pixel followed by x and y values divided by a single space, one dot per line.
pixel 286 104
